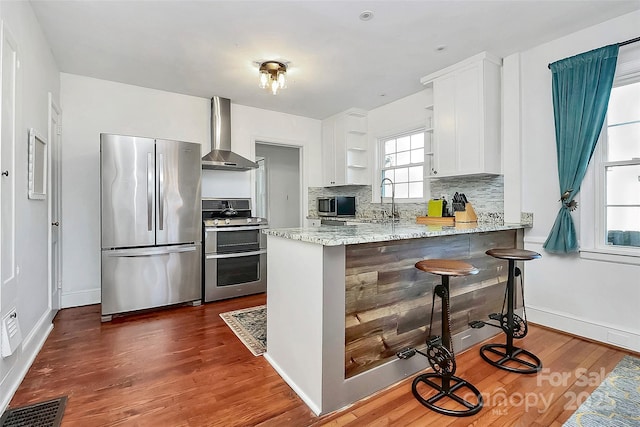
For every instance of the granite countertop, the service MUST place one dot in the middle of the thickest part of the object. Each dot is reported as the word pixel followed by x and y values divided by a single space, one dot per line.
pixel 336 235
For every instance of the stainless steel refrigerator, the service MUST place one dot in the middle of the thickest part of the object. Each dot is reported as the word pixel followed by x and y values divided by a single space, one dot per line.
pixel 151 223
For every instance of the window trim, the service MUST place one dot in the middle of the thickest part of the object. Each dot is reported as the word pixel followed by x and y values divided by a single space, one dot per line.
pixel 380 165
pixel 593 246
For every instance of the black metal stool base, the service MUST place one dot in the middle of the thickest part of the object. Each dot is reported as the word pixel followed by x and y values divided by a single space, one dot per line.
pixel 456 383
pixel 530 366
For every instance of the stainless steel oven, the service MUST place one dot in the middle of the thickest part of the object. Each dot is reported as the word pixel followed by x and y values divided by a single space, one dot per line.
pixel 235 254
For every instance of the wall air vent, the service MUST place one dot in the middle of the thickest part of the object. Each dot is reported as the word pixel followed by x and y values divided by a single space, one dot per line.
pixel 11 335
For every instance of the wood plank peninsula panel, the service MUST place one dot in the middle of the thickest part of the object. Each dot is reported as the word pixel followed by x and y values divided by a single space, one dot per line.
pixel 388 301
pixel 342 299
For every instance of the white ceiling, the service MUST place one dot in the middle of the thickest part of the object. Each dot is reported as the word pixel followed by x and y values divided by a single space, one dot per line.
pixel 207 48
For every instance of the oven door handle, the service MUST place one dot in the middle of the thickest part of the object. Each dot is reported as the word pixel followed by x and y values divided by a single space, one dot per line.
pixel 236 255
pixel 247 228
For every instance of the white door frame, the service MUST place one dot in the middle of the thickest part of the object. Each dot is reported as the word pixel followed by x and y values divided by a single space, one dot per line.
pixel 9 277
pixel 265 162
pixel 301 153
pixel 54 204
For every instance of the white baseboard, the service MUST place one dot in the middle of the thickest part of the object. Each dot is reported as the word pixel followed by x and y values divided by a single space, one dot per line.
pixel 43 322
pixel 535 240
pixel 586 328
pixel 293 385
pixel 30 349
pixel 80 298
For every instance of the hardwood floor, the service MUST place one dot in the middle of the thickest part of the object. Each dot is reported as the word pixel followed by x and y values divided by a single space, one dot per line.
pixel 184 367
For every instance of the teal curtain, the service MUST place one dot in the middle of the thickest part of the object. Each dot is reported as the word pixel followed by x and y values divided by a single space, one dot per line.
pixel 581 89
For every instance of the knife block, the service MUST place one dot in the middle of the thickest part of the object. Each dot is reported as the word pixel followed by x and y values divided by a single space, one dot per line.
pixel 468 215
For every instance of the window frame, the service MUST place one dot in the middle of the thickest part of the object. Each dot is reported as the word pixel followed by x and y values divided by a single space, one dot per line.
pixel 380 166
pixel 593 246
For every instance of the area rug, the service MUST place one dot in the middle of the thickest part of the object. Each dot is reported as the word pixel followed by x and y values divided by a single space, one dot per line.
pixel 616 401
pixel 250 326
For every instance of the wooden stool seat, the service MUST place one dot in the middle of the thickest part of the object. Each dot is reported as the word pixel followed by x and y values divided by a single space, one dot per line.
pixel 446 267
pixel 513 253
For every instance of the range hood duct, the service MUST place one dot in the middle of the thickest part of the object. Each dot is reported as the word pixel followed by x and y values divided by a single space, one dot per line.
pixel 221 157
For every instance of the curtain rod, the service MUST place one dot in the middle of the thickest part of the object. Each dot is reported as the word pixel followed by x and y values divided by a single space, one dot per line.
pixel 637 39
pixel 624 43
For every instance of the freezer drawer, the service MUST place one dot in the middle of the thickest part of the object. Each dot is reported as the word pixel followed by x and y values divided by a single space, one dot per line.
pixel 135 279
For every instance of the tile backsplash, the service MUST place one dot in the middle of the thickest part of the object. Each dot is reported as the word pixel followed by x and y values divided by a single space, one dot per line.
pixel 485 193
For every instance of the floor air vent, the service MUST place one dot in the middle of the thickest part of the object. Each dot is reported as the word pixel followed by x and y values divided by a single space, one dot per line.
pixel 43 414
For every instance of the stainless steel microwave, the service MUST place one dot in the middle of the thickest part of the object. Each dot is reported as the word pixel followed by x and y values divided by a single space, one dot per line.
pixel 337 206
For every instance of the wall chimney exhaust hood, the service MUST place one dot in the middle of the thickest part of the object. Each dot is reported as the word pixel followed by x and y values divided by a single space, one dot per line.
pixel 221 157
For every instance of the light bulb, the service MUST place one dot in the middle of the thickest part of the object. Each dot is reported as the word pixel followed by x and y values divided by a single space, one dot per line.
pixel 282 79
pixel 264 79
pixel 274 87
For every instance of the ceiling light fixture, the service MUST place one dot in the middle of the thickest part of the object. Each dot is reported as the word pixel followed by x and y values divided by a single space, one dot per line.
pixel 273 76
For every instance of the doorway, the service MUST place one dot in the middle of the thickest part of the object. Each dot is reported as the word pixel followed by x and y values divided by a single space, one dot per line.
pixel 278 184
pixel 55 247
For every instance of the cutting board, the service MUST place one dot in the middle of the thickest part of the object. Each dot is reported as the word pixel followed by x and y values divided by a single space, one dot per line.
pixel 435 208
pixel 435 220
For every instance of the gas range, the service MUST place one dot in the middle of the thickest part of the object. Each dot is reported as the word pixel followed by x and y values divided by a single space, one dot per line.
pixel 229 213
pixel 235 250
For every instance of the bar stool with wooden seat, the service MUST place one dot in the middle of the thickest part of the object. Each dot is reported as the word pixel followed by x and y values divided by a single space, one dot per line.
pixel 513 325
pixel 439 350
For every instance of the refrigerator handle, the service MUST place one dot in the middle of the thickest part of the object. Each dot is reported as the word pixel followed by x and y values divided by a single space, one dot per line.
pixel 150 188
pixel 151 251
pixel 161 192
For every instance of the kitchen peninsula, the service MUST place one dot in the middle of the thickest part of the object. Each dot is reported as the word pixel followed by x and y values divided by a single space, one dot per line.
pixel 342 300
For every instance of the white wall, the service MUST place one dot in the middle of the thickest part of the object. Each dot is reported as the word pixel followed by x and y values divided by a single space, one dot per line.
pixel 37 76
pixel 595 299
pixel 402 115
pixel 251 125
pixel 92 106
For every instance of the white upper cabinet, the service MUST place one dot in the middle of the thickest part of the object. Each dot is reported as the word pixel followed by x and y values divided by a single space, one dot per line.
pixel 465 118
pixel 345 158
pixel 328 151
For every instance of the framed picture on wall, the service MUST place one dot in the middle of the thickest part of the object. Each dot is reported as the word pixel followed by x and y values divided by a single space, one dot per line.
pixel 37 165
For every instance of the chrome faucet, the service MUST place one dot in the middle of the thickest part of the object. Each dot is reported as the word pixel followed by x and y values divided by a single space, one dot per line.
pixel 393 197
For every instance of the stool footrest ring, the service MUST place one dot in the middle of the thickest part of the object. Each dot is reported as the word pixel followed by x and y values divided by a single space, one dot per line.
pixel 453 383
pixel 530 366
